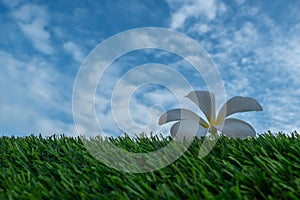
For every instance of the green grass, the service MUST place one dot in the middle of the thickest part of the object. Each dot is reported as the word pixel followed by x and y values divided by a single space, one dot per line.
pixel 266 167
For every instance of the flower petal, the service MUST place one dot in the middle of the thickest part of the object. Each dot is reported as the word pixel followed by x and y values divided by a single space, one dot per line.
pixel 187 129
pixel 181 114
pixel 236 128
pixel 238 104
pixel 205 101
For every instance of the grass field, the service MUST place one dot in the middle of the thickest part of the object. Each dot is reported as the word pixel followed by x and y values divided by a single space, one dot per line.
pixel 59 167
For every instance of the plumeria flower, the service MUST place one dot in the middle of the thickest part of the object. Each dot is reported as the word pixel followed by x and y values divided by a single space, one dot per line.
pixel 190 124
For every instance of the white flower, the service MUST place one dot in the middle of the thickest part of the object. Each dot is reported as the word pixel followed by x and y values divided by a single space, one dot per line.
pixel 190 124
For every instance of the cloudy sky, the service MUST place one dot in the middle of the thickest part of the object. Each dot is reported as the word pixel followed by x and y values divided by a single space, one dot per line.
pixel 254 44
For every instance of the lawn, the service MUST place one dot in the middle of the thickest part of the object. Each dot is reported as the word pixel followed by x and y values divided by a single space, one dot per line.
pixel 59 167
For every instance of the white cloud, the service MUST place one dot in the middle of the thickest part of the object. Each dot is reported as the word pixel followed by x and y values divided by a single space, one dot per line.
pixel 258 59
pixel 287 52
pixel 282 108
pixel 32 20
pixel 282 62
pixel 183 10
pixel 11 3
pixel 32 97
pixel 240 2
pixel 74 50
pixel 200 27
pixel 25 120
pixel 140 114
pixel 132 81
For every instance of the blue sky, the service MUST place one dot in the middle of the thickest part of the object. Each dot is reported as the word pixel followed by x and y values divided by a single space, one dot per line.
pixel 254 44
